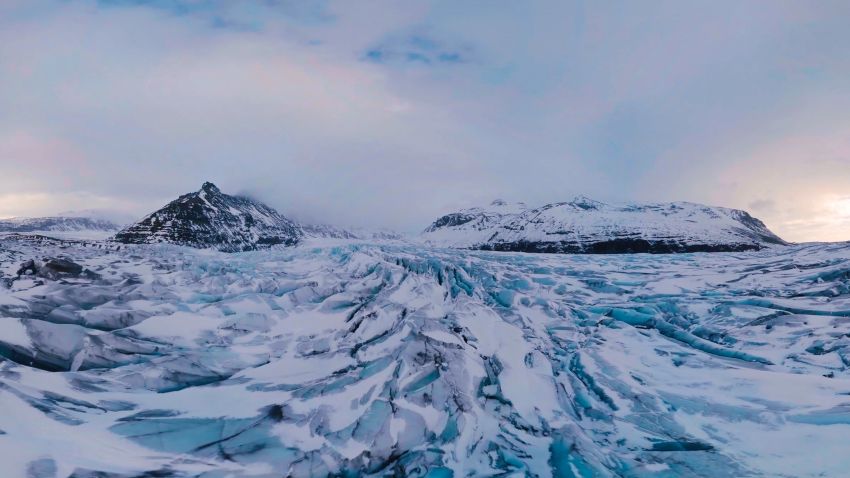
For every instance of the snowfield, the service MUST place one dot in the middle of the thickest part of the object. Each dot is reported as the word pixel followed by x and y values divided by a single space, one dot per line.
pixel 370 359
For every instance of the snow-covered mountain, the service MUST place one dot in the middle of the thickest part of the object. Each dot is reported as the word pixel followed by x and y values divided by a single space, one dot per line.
pixel 209 218
pixel 327 231
pixel 83 227
pixel 379 234
pixel 587 226
pixel 121 218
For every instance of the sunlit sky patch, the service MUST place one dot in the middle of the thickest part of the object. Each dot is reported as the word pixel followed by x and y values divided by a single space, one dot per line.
pixel 385 113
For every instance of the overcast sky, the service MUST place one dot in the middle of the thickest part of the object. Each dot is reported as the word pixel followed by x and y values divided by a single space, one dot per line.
pixel 389 113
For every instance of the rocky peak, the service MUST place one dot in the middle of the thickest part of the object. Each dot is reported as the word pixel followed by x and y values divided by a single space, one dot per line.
pixel 586 203
pixel 210 188
pixel 209 218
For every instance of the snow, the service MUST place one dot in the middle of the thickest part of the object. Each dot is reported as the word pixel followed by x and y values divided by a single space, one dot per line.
pixel 87 226
pixel 386 358
pixel 581 224
pixel 14 332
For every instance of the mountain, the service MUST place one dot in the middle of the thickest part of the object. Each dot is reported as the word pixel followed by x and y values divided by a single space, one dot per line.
pixel 209 218
pixel 327 231
pixel 121 218
pixel 379 234
pixel 587 226
pixel 82 227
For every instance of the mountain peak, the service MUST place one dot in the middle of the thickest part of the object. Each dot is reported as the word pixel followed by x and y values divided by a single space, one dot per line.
pixel 584 202
pixel 504 206
pixel 210 188
pixel 211 219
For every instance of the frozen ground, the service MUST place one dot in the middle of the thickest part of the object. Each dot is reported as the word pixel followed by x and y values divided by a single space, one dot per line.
pixel 390 360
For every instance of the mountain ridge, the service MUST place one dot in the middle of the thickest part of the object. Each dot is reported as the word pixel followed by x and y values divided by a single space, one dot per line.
pixel 209 218
pixel 584 225
pixel 62 226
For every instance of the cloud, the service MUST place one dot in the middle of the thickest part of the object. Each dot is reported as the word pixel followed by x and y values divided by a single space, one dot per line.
pixel 65 203
pixel 305 130
pixel 804 170
pixel 762 205
pixel 384 114
pixel 416 48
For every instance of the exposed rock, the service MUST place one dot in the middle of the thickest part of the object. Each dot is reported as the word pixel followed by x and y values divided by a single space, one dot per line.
pixel 54 268
pixel 209 218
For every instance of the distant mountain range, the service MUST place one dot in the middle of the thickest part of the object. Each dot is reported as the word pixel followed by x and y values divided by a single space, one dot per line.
pixel 83 227
pixel 587 226
pixel 333 232
pixel 211 219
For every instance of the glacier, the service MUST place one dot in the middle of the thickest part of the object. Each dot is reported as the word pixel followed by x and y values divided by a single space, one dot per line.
pixel 363 358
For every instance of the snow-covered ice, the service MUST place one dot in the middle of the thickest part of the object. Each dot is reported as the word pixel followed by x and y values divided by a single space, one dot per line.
pixel 353 358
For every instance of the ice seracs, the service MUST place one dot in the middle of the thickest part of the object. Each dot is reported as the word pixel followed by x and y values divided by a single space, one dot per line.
pixel 210 219
pixel 584 225
pixel 390 359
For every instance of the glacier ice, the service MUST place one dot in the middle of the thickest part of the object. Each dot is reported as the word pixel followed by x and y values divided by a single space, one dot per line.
pixel 354 358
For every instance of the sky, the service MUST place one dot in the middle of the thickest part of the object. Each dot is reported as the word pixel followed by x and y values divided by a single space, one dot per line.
pixel 380 113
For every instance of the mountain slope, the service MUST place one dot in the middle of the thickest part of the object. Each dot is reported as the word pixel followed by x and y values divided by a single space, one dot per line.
pixel 587 226
pixel 209 218
pixel 327 231
pixel 61 226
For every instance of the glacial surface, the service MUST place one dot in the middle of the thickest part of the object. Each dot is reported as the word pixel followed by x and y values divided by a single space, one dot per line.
pixel 368 359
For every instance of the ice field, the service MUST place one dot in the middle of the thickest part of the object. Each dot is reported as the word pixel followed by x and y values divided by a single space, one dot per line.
pixel 369 359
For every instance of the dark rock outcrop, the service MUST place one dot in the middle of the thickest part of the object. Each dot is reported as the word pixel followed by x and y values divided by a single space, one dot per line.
pixel 55 268
pixel 209 218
